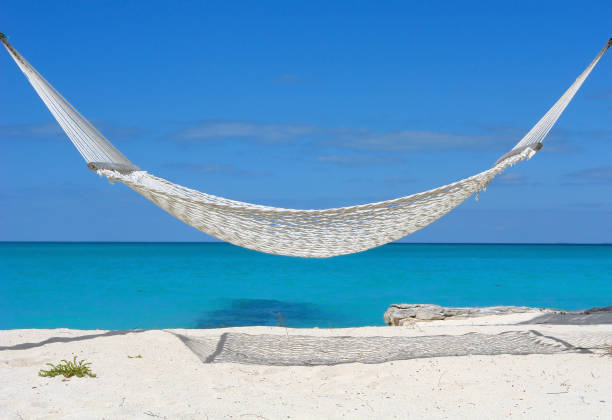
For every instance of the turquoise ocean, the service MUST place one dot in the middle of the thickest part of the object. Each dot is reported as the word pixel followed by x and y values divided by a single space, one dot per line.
pixel 203 285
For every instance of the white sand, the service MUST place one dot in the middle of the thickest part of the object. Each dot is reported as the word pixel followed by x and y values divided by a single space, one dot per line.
pixel 170 381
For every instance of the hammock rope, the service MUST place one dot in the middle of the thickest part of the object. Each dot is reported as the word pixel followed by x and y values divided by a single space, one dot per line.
pixel 292 232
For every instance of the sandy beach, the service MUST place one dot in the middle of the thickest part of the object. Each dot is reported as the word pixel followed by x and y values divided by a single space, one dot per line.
pixel 487 367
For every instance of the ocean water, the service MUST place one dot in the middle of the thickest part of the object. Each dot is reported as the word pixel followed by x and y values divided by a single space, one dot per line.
pixel 202 285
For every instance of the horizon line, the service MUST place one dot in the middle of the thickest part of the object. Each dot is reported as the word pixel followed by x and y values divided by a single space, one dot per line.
pixel 227 243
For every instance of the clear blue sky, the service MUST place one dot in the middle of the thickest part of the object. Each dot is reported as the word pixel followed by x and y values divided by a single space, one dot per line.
pixel 309 105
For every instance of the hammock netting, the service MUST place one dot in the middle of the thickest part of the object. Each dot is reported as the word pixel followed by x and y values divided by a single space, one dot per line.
pixel 303 233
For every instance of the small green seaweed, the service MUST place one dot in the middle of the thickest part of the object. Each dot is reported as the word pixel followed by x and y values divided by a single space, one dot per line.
pixel 135 357
pixel 79 369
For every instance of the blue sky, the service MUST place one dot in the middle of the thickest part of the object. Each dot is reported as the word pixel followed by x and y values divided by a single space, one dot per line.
pixel 309 105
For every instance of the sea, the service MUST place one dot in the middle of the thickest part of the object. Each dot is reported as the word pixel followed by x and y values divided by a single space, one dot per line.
pixel 208 285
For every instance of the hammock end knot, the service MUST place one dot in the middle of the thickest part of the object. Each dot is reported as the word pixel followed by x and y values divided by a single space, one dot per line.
pixel 119 167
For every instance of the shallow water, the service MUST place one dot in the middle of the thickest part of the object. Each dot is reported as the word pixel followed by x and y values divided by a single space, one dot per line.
pixel 162 285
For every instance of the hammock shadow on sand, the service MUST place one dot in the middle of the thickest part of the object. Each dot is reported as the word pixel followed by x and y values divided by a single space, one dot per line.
pixel 71 339
pixel 302 350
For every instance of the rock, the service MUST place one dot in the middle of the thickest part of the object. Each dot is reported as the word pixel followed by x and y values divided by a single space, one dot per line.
pixel 398 312
pixel 427 315
pixel 408 313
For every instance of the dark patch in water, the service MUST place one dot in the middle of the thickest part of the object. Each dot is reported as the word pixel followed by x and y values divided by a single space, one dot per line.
pixel 246 312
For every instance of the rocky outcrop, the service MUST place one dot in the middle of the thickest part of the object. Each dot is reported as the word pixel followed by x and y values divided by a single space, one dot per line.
pixel 407 313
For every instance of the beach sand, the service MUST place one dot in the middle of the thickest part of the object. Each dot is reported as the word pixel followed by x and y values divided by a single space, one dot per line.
pixel 180 377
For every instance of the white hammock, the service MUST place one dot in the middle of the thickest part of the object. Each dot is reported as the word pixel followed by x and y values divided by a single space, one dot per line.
pixel 303 233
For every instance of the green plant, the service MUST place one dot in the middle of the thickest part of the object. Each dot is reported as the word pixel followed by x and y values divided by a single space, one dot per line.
pixel 135 357
pixel 79 369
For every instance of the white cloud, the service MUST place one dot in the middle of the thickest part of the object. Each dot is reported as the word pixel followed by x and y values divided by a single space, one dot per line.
pixel 52 130
pixel 338 137
pixel 598 175
pixel 269 133
pixel 356 160
pixel 410 140
pixel 45 130
pixel 287 79
pixel 510 179
pixel 213 168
